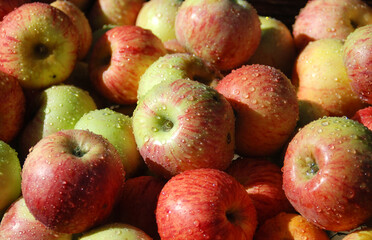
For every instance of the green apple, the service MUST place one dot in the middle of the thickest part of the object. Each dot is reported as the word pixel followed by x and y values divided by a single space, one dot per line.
pixel 115 231
pixel 10 176
pixel 176 66
pixel 159 16
pixel 117 129
pixel 60 107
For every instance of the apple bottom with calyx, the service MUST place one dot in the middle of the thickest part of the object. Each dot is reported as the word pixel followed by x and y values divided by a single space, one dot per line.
pixel 71 180
pixel 327 173
pixel 205 204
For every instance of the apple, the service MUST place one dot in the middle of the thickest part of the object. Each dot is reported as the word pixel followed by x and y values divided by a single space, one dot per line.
pixel 176 66
pixel 10 176
pixel 276 48
pixel 159 17
pixel 12 107
pixel 83 5
pixel 116 12
pixel 19 224
pixel 223 32
pixel 72 179
pixel 173 46
pixel 117 129
pixel 327 173
pixel 118 60
pixel 363 234
pixel 115 231
pixel 266 108
pixel 59 107
pixel 262 179
pixel 364 116
pixel 81 23
pixel 357 59
pixel 138 203
pixel 321 77
pixel 6 6
pixel 321 19
pixel 205 204
pixel 289 226
pixel 184 124
pixel 38 45
pixel 309 111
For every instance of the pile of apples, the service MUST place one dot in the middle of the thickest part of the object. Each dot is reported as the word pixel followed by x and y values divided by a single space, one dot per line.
pixel 193 119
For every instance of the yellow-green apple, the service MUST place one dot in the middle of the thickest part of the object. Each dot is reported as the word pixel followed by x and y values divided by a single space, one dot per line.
pixel 58 108
pixel 357 59
pixel 184 124
pixel 364 116
pixel 118 60
pixel 12 107
pixel 10 176
pixel 321 77
pixel 362 234
pixel 138 203
pixel 223 32
pixel 176 66
pixel 6 6
pixel 116 12
pixel 289 226
pixel 117 129
pixel 205 204
pixel 327 173
pixel 72 179
pixel 19 224
pixel 38 45
pixel 159 17
pixel 277 48
pixel 265 105
pixel 81 23
pixel 263 180
pixel 115 231
pixel 321 19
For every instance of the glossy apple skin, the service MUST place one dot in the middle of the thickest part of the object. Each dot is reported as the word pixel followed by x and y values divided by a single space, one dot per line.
pixel 138 203
pixel 321 19
pixel 265 105
pixel 7 6
pixel 71 180
pixel 321 78
pixel 115 231
pixel 38 45
pixel 209 30
pixel 327 173
pixel 12 107
pixel 184 124
pixel 358 61
pixel 289 226
pixel 364 116
pixel 19 224
pixel 205 204
pixel 118 60
pixel 263 180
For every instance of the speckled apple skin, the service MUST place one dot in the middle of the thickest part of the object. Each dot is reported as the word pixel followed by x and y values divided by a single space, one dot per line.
pixel 71 194
pixel 266 108
pixel 338 196
pixel 193 205
pixel 223 32
pixel 118 60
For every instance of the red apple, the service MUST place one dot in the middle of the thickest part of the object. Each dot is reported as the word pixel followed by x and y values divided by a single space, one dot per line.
pixel 19 224
pixel 71 180
pixel 118 60
pixel 205 204
pixel 357 55
pixel 184 124
pixel 263 181
pixel 364 116
pixel 327 173
pixel 12 107
pixel 321 19
pixel 138 204
pixel 223 32
pixel 6 6
pixel 265 105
